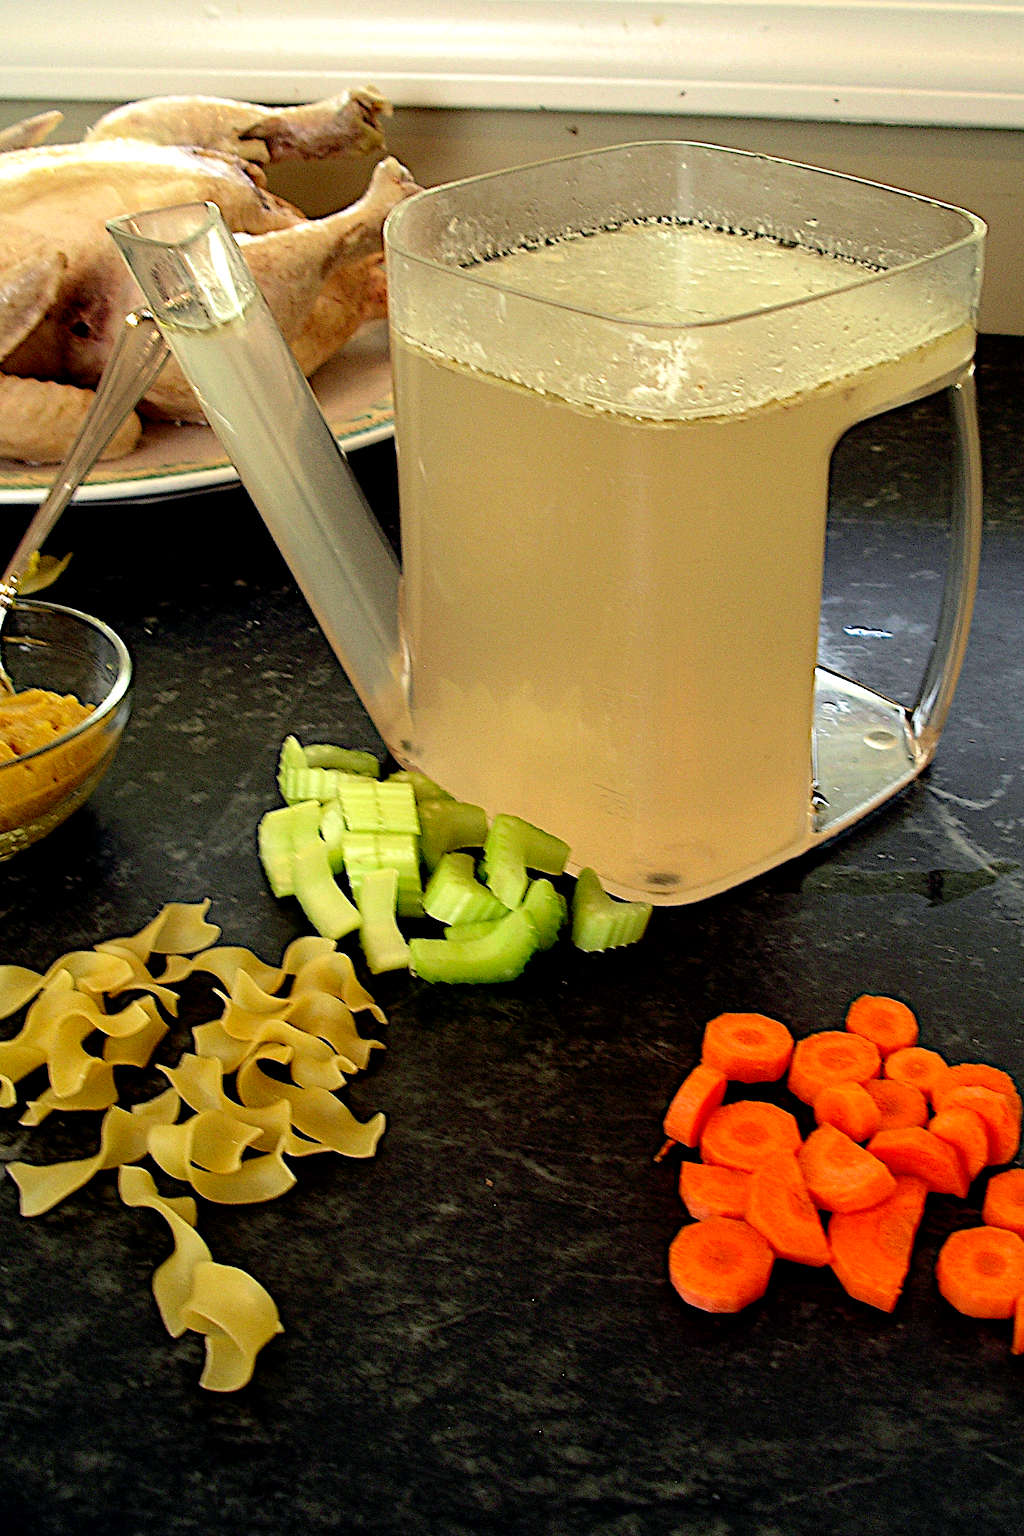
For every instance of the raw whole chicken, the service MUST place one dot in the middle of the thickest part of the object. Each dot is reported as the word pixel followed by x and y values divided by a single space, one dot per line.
pixel 64 289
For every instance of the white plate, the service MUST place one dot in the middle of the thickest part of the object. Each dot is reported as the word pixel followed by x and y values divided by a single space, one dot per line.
pixel 354 391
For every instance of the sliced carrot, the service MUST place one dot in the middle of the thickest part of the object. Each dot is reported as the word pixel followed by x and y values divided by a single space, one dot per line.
pixel 871 1249
pixel 1017 1344
pixel 915 1150
pixel 747 1047
pixel 720 1265
pixel 897 1103
pixel 742 1134
pixel 700 1092
pixel 840 1174
pixel 1003 1205
pixel 850 1108
pixel 980 1271
pixel 973 1074
pixel 831 1056
pixel 885 1020
pixel 917 1065
pixel 708 1189
pixel 1001 1114
pixel 965 1130
pixel 781 1209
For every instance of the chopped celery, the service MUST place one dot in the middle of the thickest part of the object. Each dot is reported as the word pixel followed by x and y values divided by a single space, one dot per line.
pixel 497 956
pixel 381 939
pixel 547 909
pixel 314 773
pixel 319 894
pixel 279 833
pixel 473 930
pixel 332 830
pixel 599 921
pixel 366 851
pixel 379 807
pixel 449 824
pixel 348 759
pixel 454 895
pixel 423 788
pixel 513 846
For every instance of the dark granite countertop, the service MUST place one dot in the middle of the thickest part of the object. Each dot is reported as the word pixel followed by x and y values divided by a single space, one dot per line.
pixel 479 1332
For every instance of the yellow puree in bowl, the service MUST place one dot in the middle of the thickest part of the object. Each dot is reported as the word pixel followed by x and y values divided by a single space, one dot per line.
pixel 29 720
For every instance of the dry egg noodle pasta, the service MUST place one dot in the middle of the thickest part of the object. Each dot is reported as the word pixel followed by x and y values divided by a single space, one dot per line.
pixel 228 1150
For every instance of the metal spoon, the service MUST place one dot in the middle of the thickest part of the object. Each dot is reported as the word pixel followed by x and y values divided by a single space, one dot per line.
pixel 139 354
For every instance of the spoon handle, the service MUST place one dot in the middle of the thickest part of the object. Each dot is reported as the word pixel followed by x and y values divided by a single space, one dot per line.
pixel 138 356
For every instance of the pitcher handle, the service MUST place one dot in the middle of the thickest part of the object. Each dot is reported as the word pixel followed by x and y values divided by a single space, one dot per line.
pixel 929 712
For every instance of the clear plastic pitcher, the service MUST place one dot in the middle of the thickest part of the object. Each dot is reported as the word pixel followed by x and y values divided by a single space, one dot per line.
pixel 619 379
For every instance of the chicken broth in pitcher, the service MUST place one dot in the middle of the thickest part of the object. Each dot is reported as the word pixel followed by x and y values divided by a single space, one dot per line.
pixel 643 647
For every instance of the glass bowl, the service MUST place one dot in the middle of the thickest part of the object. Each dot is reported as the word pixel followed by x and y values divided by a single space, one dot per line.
pixel 61 651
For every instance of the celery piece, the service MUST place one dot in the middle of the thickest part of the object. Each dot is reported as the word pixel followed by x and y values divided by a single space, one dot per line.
pixel 365 851
pixel 379 935
pixel 384 807
pixel 547 910
pixel 513 846
pixel 319 894
pixel 449 824
pixel 600 922
pixel 348 759
pixel 453 894
pixel 332 830
pixel 423 788
pixel 500 955
pixel 279 833
pixel 302 777
pixel 473 930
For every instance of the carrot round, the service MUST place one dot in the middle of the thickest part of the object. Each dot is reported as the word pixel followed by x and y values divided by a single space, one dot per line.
pixel 743 1134
pixel 980 1271
pixel 871 1249
pixel 781 1209
pixel 1003 1205
pixel 897 1103
pixel 1001 1114
pixel 965 1130
pixel 720 1265
pixel 890 1024
pixel 916 1065
pixel 973 1074
pixel 700 1092
pixel 840 1174
pixel 850 1108
pixel 707 1189
pixel 1017 1344
pixel 831 1056
pixel 913 1149
pixel 748 1047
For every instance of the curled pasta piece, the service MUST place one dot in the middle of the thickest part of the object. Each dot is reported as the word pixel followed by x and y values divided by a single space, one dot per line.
pixel 8 1093
pixel 179 928
pixel 316 1113
pixel 91 971
pixel 329 1018
pixel 172 1280
pixel 99 1091
pixel 18 985
pixel 226 962
pixel 136 1049
pixel 237 1318
pixel 124 1138
pixel 200 1082
pixel 334 972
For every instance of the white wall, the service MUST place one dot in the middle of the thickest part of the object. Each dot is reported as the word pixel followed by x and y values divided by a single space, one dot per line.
pixel 944 62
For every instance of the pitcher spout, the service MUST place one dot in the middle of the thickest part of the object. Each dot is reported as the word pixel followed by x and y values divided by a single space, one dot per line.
pixel 258 402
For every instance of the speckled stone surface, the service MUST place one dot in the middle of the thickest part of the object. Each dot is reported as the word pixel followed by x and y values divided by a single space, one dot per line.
pixel 479 1333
